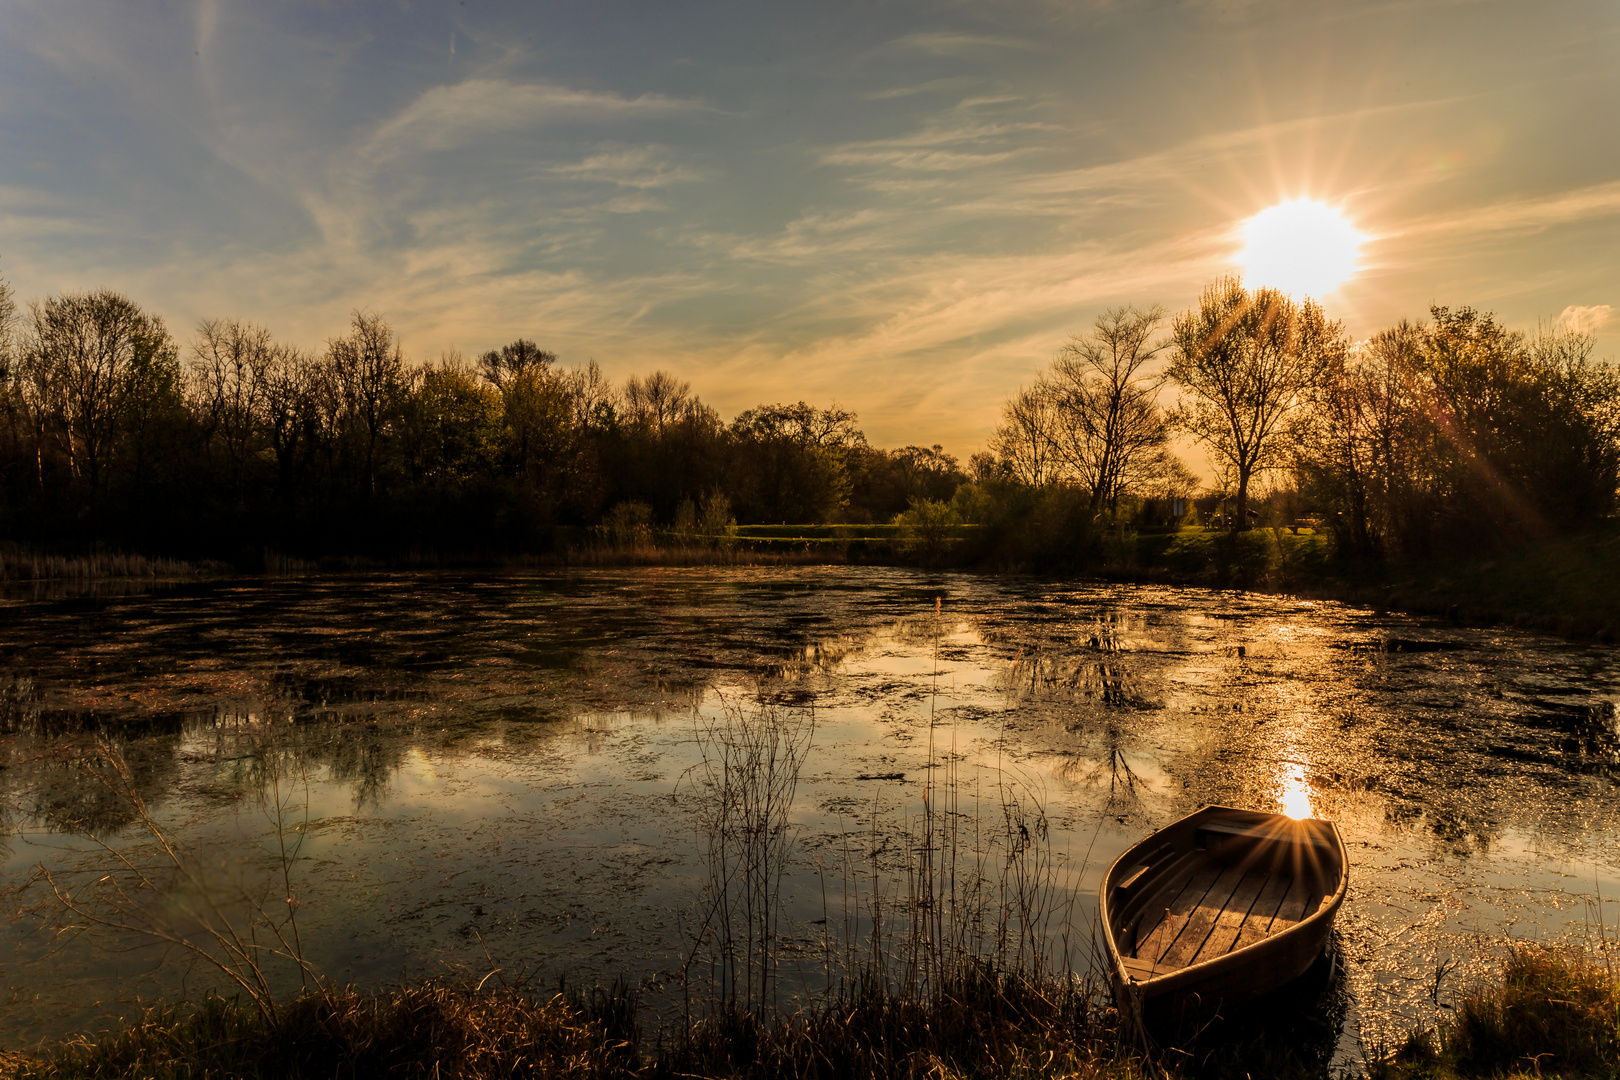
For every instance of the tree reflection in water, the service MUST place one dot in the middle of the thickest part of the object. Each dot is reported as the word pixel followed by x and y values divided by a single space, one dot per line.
pixel 491 758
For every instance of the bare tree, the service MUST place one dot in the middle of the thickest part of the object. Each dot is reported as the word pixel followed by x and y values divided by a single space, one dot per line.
pixel 8 333
pixel 501 366
pixel 1023 442
pixel 288 411
pixel 230 364
pixel 1109 430
pixel 657 401
pixel 12 403
pixel 595 400
pixel 1245 362
pixel 369 369
pixel 1092 418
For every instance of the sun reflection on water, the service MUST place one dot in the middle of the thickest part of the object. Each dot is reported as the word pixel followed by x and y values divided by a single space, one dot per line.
pixel 1296 793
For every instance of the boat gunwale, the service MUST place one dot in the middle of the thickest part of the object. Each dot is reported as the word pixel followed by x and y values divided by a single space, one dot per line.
pixel 1200 972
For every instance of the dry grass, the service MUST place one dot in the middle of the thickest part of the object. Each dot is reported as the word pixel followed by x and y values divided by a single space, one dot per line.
pixel 18 565
pixel 983 1026
pixel 425 1030
pixel 980 1023
pixel 1555 1013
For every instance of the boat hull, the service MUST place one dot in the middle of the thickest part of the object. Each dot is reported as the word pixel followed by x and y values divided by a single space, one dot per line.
pixel 1264 891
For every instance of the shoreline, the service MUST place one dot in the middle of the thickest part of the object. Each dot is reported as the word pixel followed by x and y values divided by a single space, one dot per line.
pixel 1569 588
pixel 1551 1012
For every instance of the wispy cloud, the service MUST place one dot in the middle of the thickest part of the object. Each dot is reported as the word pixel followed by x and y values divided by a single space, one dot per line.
pixel 959 138
pixel 449 116
pixel 956 43
pixel 1520 215
pixel 630 166
pixel 928 87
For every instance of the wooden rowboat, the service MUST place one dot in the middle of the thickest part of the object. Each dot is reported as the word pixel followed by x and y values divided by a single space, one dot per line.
pixel 1222 905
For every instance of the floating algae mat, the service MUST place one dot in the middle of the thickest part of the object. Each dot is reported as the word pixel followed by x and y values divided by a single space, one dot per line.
pixel 515 771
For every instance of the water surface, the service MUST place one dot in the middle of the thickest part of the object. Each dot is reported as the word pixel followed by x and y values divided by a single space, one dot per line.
pixel 504 772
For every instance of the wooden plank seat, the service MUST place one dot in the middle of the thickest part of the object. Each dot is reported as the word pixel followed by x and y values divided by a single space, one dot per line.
pixel 1221 905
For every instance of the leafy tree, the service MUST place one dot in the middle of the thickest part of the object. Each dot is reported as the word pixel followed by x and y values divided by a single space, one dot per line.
pixel 926 472
pixel 1461 431
pixel 1245 363
pixel 1576 463
pixel 1360 443
pixel 538 413
pixel 453 425
pixel 795 460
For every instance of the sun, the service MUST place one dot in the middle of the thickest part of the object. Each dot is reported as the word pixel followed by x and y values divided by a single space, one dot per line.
pixel 1302 247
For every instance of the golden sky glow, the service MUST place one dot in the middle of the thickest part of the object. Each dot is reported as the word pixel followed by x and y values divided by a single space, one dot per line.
pixel 1302 247
pixel 905 208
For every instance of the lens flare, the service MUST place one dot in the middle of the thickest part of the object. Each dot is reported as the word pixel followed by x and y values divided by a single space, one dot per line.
pixel 1303 247
pixel 1296 794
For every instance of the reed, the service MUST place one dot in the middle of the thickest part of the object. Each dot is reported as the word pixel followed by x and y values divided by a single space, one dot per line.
pixel 153 889
pixel 422 1030
pixel 1555 1012
pixel 23 565
pixel 746 782
pixel 937 954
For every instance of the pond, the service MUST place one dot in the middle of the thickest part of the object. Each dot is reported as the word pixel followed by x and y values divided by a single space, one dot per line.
pixel 516 775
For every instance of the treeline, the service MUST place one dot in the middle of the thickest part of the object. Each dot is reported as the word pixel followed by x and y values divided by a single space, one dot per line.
pixel 228 442
pixel 1451 433
pixel 1454 433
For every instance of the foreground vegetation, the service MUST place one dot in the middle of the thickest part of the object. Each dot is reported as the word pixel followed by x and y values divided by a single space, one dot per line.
pixel 1553 1014
pixel 985 1027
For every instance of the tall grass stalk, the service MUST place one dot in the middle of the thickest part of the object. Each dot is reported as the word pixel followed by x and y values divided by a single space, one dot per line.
pixel 748 776
pixel 23 565
pixel 156 889
pixel 1555 1012
pixel 930 899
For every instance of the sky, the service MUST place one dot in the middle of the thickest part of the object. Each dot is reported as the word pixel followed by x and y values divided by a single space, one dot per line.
pixel 903 208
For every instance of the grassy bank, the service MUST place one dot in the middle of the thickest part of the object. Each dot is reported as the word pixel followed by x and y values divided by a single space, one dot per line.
pixel 1552 1014
pixel 1568 586
pixel 980 1026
